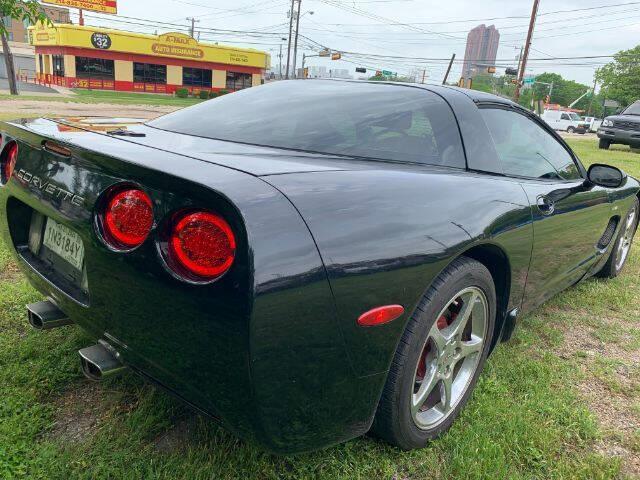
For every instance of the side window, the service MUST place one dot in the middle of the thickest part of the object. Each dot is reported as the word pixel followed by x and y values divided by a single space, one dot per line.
pixel 526 149
pixel 565 117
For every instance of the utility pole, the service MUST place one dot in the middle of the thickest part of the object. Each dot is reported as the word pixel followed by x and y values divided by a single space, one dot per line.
pixel 424 74
pixel 520 59
pixel 527 47
pixel 593 94
pixel 81 19
pixel 290 31
pixel 193 26
pixel 295 48
pixel 446 75
pixel 8 60
pixel 280 63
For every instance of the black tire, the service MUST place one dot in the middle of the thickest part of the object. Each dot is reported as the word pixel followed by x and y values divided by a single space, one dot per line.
pixel 571 130
pixel 393 421
pixel 614 267
pixel 604 144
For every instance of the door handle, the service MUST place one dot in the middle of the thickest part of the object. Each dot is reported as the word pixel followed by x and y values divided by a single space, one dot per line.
pixel 545 205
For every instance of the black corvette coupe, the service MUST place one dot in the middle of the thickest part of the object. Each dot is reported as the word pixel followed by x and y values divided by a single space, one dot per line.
pixel 307 261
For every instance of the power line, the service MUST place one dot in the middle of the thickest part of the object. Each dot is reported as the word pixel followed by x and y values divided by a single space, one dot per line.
pixel 491 19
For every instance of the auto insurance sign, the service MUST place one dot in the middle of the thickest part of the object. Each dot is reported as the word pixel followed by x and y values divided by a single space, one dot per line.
pixel 102 6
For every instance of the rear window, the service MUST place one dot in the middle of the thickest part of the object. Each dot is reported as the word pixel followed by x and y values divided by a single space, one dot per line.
pixel 374 121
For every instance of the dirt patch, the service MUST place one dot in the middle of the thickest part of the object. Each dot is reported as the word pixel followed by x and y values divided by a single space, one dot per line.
pixel 43 108
pixel 612 406
pixel 78 414
pixel 10 273
pixel 178 436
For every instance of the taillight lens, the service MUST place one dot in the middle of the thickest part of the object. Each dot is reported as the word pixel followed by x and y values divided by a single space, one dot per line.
pixel 9 157
pixel 127 218
pixel 201 246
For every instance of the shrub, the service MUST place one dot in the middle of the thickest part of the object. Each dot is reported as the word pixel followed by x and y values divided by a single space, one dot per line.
pixel 223 92
pixel 213 94
pixel 204 95
pixel 182 93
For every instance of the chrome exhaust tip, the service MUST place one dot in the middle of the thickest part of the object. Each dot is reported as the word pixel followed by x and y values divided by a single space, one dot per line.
pixel 100 361
pixel 46 315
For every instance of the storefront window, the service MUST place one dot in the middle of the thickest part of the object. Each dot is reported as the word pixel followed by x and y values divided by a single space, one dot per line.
pixel 149 73
pixel 196 77
pixel 238 81
pixel 58 65
pixel 98 68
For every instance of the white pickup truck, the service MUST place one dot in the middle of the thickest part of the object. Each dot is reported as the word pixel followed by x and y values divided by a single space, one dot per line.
pixel 566 121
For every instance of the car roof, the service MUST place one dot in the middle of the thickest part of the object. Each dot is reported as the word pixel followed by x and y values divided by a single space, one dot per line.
pixel 474 95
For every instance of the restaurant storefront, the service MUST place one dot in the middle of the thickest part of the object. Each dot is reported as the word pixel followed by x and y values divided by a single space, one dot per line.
pixel 86 57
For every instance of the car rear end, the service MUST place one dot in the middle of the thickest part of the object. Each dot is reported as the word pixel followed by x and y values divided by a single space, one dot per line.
pixel 253 342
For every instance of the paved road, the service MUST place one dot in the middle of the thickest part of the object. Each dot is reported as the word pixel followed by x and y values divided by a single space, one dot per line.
pixel 26 87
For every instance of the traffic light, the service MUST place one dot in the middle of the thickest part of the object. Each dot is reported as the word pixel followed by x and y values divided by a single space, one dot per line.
pixel 336 56
pixel 361 70
pixel 511 71
pixel 491 70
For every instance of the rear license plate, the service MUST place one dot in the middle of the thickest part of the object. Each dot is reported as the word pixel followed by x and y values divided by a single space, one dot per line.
pixel 64 242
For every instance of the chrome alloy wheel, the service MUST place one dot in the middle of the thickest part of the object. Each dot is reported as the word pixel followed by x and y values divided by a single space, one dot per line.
pixel 449 358
pixel 627 238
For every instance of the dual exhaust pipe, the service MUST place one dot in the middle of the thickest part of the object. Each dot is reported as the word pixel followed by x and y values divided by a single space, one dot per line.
pixel 97 362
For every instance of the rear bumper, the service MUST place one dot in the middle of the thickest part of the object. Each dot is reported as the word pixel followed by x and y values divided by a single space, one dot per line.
pixel 615 135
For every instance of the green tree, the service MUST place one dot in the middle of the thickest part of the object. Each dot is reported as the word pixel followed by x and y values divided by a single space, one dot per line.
pixel 620 79
pixel 384 78
pixel 565 92
pixel 17 10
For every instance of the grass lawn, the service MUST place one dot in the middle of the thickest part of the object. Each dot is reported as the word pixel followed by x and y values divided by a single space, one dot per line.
pixel 102 96
pixel 561 400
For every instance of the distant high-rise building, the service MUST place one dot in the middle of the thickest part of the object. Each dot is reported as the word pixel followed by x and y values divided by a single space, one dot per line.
pixel 482 48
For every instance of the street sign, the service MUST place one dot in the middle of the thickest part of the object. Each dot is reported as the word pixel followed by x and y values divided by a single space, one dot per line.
pixel 611 103
pixel 102 6
pixel 361 70
pixel 529 80
pixel 388 73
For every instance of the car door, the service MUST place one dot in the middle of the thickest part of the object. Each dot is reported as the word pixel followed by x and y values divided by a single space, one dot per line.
pixel 565 121
pixel 569 218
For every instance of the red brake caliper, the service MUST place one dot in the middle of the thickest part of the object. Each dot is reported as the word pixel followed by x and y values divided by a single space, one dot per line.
pixel 442 323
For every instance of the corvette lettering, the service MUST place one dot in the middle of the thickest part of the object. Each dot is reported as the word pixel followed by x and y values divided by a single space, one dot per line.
pixel 49 188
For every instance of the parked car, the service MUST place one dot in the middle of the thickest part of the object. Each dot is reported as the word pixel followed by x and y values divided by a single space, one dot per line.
pixel 565 121
pixel 594 123
pixel 623 129
pixel 306 261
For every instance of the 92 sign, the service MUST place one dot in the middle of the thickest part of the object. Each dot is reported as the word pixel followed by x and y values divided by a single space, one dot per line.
pixel 101 41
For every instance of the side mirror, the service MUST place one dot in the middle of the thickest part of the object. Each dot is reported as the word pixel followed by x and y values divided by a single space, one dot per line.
pixel 606 176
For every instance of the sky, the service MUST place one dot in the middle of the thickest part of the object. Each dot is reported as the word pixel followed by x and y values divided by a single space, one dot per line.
pixel 410 37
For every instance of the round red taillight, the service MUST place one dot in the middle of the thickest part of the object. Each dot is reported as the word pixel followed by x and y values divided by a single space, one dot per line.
pixel 9 157
pixel 202 246
pixel 127 218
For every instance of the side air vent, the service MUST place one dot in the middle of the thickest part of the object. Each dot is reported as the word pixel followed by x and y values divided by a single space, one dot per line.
pixel 607 236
